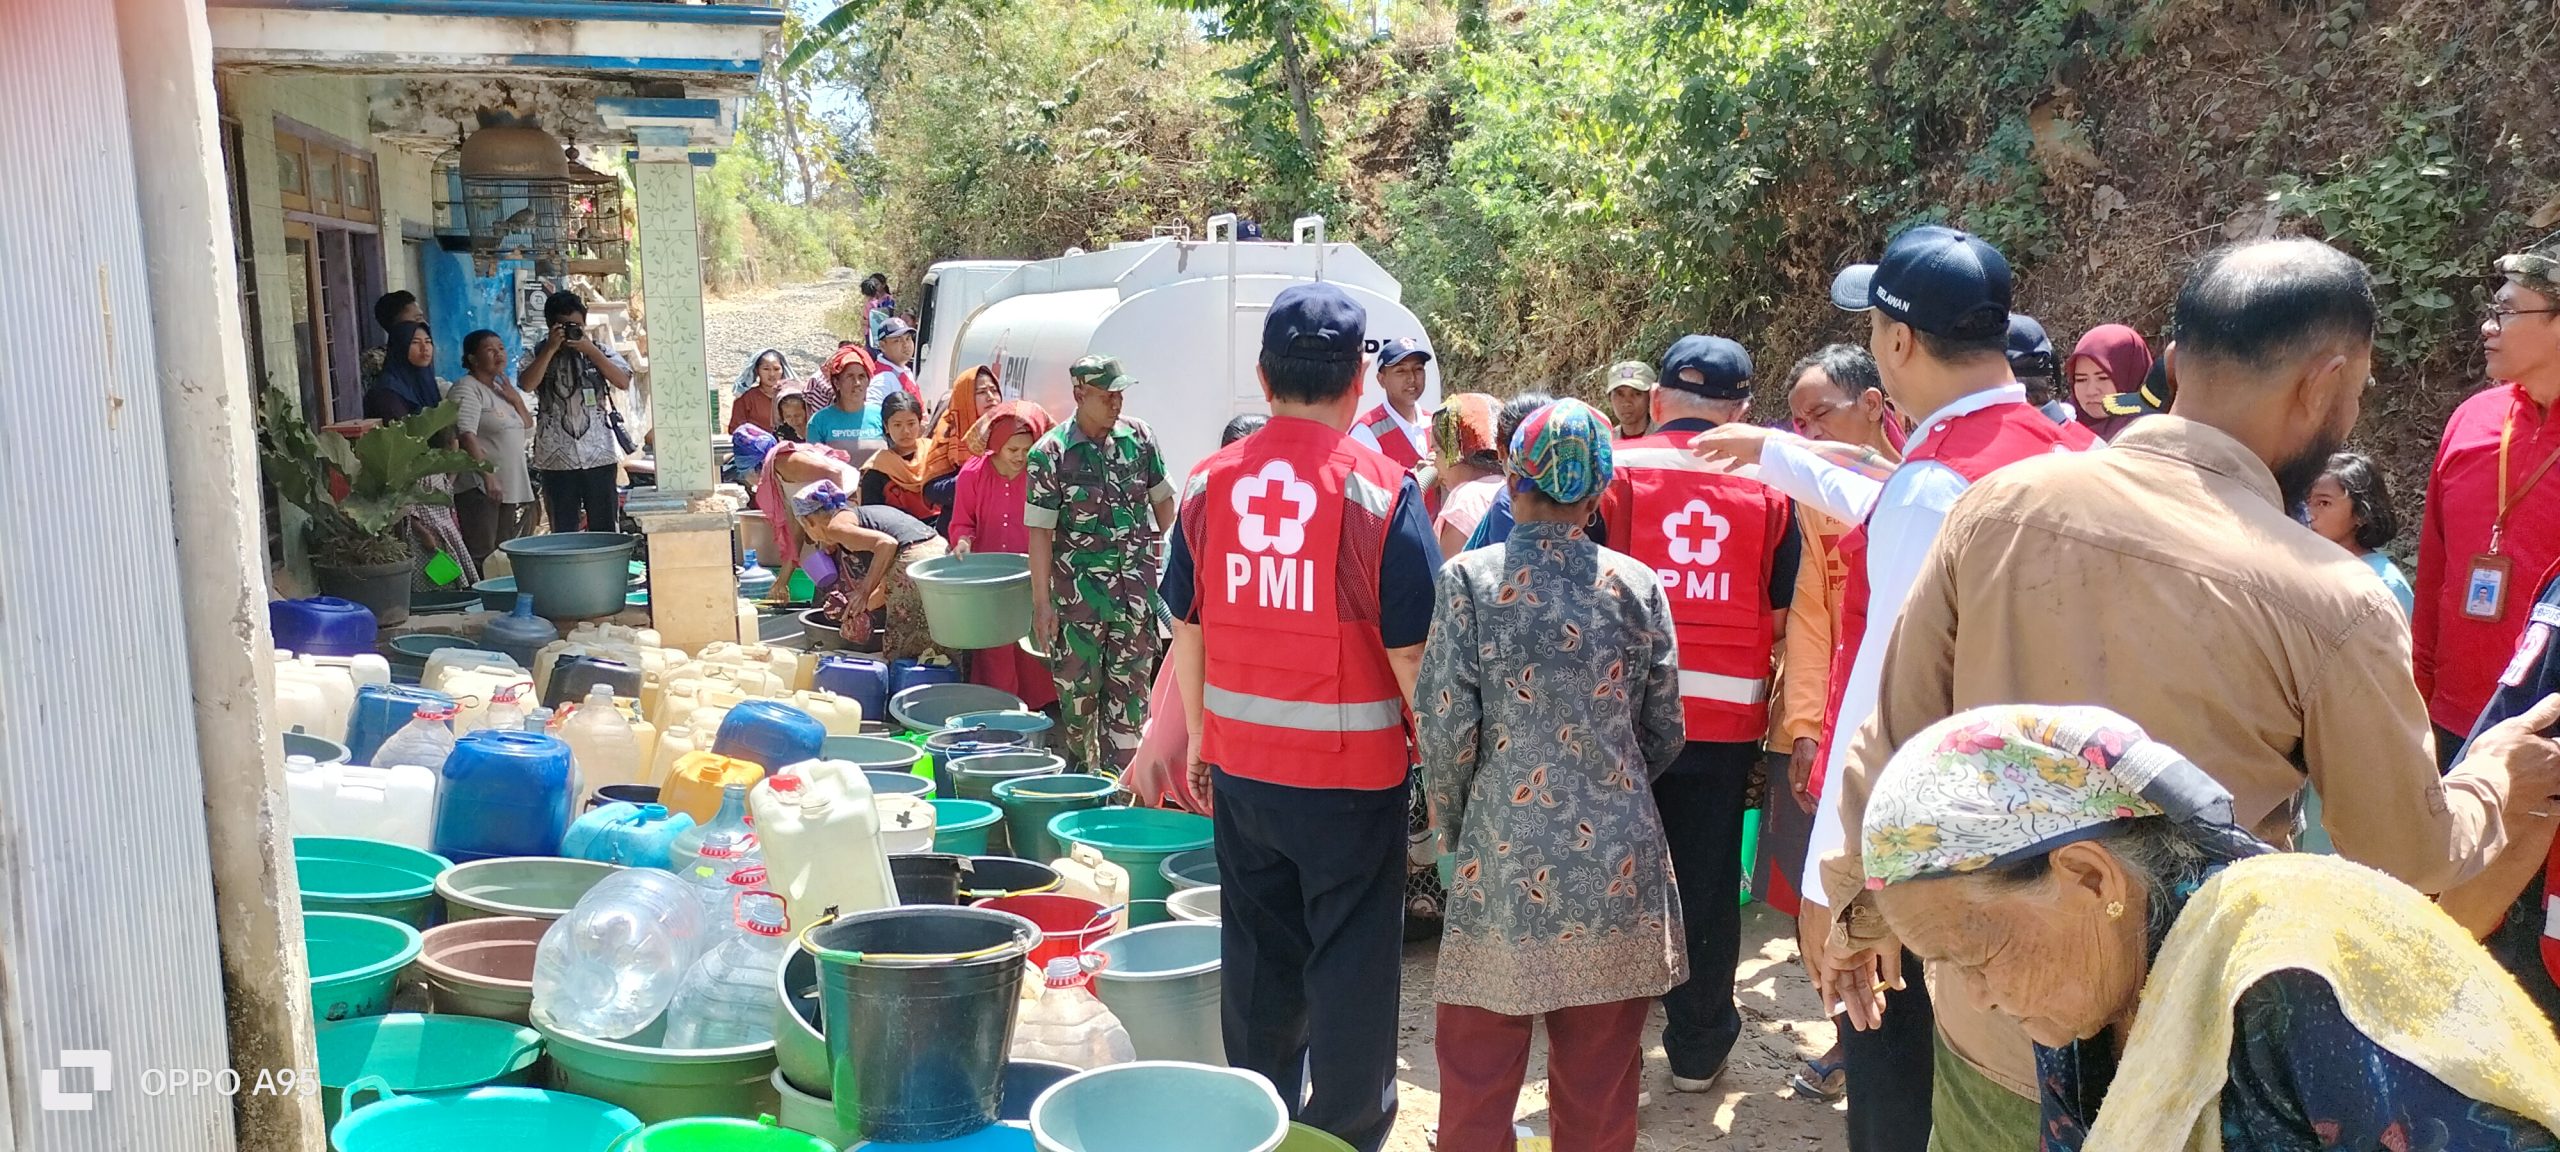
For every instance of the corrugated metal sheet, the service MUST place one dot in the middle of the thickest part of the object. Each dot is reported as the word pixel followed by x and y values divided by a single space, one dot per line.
pixel 108 942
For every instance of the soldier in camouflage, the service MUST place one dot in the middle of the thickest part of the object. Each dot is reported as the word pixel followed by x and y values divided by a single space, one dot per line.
pixel 1094 481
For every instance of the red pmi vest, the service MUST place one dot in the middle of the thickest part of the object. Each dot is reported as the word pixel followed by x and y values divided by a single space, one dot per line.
pixel 1710 538
pixel 1976 445
pixel 1297 688
pixel 1392 442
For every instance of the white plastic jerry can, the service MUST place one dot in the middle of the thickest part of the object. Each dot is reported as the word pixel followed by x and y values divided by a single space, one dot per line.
pixel 397 804
pixel 444 662
pixel 821 837
pixel 313 698
pixel 473 688
pixel 1085 873
pixel 841 715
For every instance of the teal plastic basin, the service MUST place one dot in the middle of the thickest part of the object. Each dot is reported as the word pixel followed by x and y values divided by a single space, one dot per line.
pixel 355 962
pixel 1137 839
pixel 573 575
pixel 982 600
pixel 414 1052
pixel 962 826
pixel 369 877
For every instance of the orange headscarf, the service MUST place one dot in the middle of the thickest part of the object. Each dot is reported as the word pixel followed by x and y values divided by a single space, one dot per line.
pixel 950 433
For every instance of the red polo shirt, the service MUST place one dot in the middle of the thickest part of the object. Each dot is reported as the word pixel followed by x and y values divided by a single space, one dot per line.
pixel 2459 658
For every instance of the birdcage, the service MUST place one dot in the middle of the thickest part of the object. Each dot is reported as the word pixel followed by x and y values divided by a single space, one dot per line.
pixel 523 199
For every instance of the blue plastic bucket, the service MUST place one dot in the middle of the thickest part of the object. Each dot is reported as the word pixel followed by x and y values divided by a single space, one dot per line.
pixel 1160 1106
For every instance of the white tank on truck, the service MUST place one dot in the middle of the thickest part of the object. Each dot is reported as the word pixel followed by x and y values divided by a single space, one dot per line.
pixel 1184 317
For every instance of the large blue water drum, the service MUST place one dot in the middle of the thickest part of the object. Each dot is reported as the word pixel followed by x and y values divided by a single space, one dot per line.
pixel 382 709
pixel 770 733
pixel 504 794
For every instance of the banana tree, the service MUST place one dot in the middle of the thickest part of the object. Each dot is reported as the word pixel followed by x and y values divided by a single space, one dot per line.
pixel 356 491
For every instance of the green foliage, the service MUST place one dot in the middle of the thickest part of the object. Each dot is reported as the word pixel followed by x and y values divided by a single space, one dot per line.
pixel 384 472
pixel 2402 210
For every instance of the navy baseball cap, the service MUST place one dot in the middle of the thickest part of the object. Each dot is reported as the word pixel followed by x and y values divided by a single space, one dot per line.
pixel 1315 322
pixel 1936 279
pixel 2030 350
pixel 1401 349
pixel 1723 368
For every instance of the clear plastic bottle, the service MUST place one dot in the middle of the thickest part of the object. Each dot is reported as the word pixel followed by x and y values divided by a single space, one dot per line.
pixel 506 709
pixel 755 581
pixel 727 826
pixel 424 741
pixel 538 720
pixel 613 963
pixel 601 741
pixel 728 998
pixel 1068 1025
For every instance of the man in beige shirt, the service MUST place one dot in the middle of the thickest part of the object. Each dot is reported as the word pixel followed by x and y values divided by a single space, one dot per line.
pixel 2164 579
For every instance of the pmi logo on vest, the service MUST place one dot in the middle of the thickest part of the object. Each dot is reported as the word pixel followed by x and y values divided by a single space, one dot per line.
pixel 1272 509
pixel 1696 536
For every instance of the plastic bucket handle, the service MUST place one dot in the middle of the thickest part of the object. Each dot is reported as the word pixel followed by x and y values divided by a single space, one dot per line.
pixel 375 1084
pixel 840 956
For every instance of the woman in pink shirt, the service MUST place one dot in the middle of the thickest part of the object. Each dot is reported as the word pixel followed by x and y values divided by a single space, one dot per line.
pixel 986 516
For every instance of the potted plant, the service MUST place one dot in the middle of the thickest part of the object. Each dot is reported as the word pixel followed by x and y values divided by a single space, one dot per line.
pixel 356 494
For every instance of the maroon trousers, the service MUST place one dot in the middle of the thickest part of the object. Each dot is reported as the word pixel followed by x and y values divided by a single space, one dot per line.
pixel 1595 1068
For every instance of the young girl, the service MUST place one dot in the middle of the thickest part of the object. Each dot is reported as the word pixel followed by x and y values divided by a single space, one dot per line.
pixel 794 418
pixel 2350 504
pixel 894 475
pixel 986 516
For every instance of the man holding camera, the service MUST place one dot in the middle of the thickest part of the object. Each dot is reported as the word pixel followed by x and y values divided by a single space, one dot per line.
pixel 578 439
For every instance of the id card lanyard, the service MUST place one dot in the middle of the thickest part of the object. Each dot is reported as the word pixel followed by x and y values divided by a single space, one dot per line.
pixel 2485 591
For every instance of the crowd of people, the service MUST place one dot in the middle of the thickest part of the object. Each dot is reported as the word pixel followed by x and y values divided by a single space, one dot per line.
pixel 2086 684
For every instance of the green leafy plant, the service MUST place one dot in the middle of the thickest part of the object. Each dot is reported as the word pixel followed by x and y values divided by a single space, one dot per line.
pixel 356 492
pixel 2401 210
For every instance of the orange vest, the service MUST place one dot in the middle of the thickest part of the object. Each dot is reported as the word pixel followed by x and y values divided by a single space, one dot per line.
pixel 1711 539
pixel 1297 689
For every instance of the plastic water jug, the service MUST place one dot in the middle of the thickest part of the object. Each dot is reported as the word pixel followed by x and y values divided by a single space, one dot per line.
pixel 672 745
pixel 506 709
pixel 645 734
pixel 770 733
pixel 444 662
pixel 693 786
pixel 505 794
pixel 363 667
pixel 840 716
pixel 609 967
pixel 686 696
pixel 821 838
pixel 321 626
pixel 730 997
pixel 607 632
pixel 474 688
pixel 755 581
pixel 572 677
pixel 393 804
pixel 727 827
pixel 602 743
pixel 906 823
pixel 1084 873
pixel 423 742
pixel 314 698
pixel 382 709
pixel 632 835
pixel 520 634
pixel 861 679
pixel 907 674
pixel 791 668
pixel 1065 1024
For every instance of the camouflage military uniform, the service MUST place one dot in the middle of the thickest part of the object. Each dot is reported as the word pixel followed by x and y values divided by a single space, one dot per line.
pixel 1094 497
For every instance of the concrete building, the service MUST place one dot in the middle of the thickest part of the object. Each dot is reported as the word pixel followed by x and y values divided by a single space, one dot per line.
pixel 216 190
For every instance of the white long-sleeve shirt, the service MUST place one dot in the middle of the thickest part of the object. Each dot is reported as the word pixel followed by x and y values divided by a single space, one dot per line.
pixel 1909 509
pixel 1842 493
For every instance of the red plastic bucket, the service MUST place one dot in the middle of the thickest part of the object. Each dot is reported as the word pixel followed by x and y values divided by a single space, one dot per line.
pixel 1068 924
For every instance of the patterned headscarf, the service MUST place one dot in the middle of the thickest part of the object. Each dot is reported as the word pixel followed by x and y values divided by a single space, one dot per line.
pixel 1562 452
pixel 750 445
pixel 1994 786
pixel 1465 426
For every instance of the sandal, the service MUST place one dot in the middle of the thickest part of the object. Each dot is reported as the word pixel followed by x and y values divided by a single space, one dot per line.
pixel 1822 1080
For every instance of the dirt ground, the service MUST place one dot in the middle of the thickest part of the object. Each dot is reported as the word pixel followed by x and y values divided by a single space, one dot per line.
pixel 1752 1108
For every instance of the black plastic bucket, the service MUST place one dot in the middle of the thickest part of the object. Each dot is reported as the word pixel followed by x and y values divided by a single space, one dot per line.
pixel 928 877
pixel 925 997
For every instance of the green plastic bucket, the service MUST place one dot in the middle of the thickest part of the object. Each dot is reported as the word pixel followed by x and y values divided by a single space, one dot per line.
pixel 982 600
pixel 1137 839
pixel 355 960
pixel 411 1053
pixel 1304 1139
pixel 368 877
pixel 539 887
pixel 815 1115
pixel 722 1134
pixel 976 777
pixel 962 826
pixel 1122 1107
pixel 1030 802
pixel 658 1083
pixel 480 1120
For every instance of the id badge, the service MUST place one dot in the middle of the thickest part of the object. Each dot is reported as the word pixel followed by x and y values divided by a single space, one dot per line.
pixel 2484 587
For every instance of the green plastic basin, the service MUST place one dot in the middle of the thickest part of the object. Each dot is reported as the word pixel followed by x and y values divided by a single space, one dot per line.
pixel 480 1120
pixel 658 1083
pixel 540 887
pixel 982 600
pixel 1030 802
pixel 413 1053
pixel 368 877
pixel 573 575
pixel 1304 1139
pixel 962 826
pixel 1137 839
pixel 355 961
pixel 724 1134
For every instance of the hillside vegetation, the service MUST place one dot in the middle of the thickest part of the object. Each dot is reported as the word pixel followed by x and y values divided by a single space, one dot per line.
pixel 1561 184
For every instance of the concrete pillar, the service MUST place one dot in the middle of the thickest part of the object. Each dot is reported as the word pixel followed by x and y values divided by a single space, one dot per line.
pixel 693 590
pixel 210 439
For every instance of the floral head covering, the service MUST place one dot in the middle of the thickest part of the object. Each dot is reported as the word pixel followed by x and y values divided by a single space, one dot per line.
pixel 1562 452
pixel 1465 426
pixel 750 445
pixel 1994 786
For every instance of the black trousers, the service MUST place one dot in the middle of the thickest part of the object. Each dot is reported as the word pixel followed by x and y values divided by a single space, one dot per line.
pixel 1892 1070
pixel 1701 800
pixel 1313 934
pixel 581 499
pixel 2448 745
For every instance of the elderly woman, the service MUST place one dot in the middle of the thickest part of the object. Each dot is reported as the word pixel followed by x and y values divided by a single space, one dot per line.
pixel 2185 987
pixel 1549 698
pixel 871 548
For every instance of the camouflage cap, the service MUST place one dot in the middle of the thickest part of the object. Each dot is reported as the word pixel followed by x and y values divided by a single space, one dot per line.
pixel 1634 374
pixel 2537 267
pixel 1102 372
